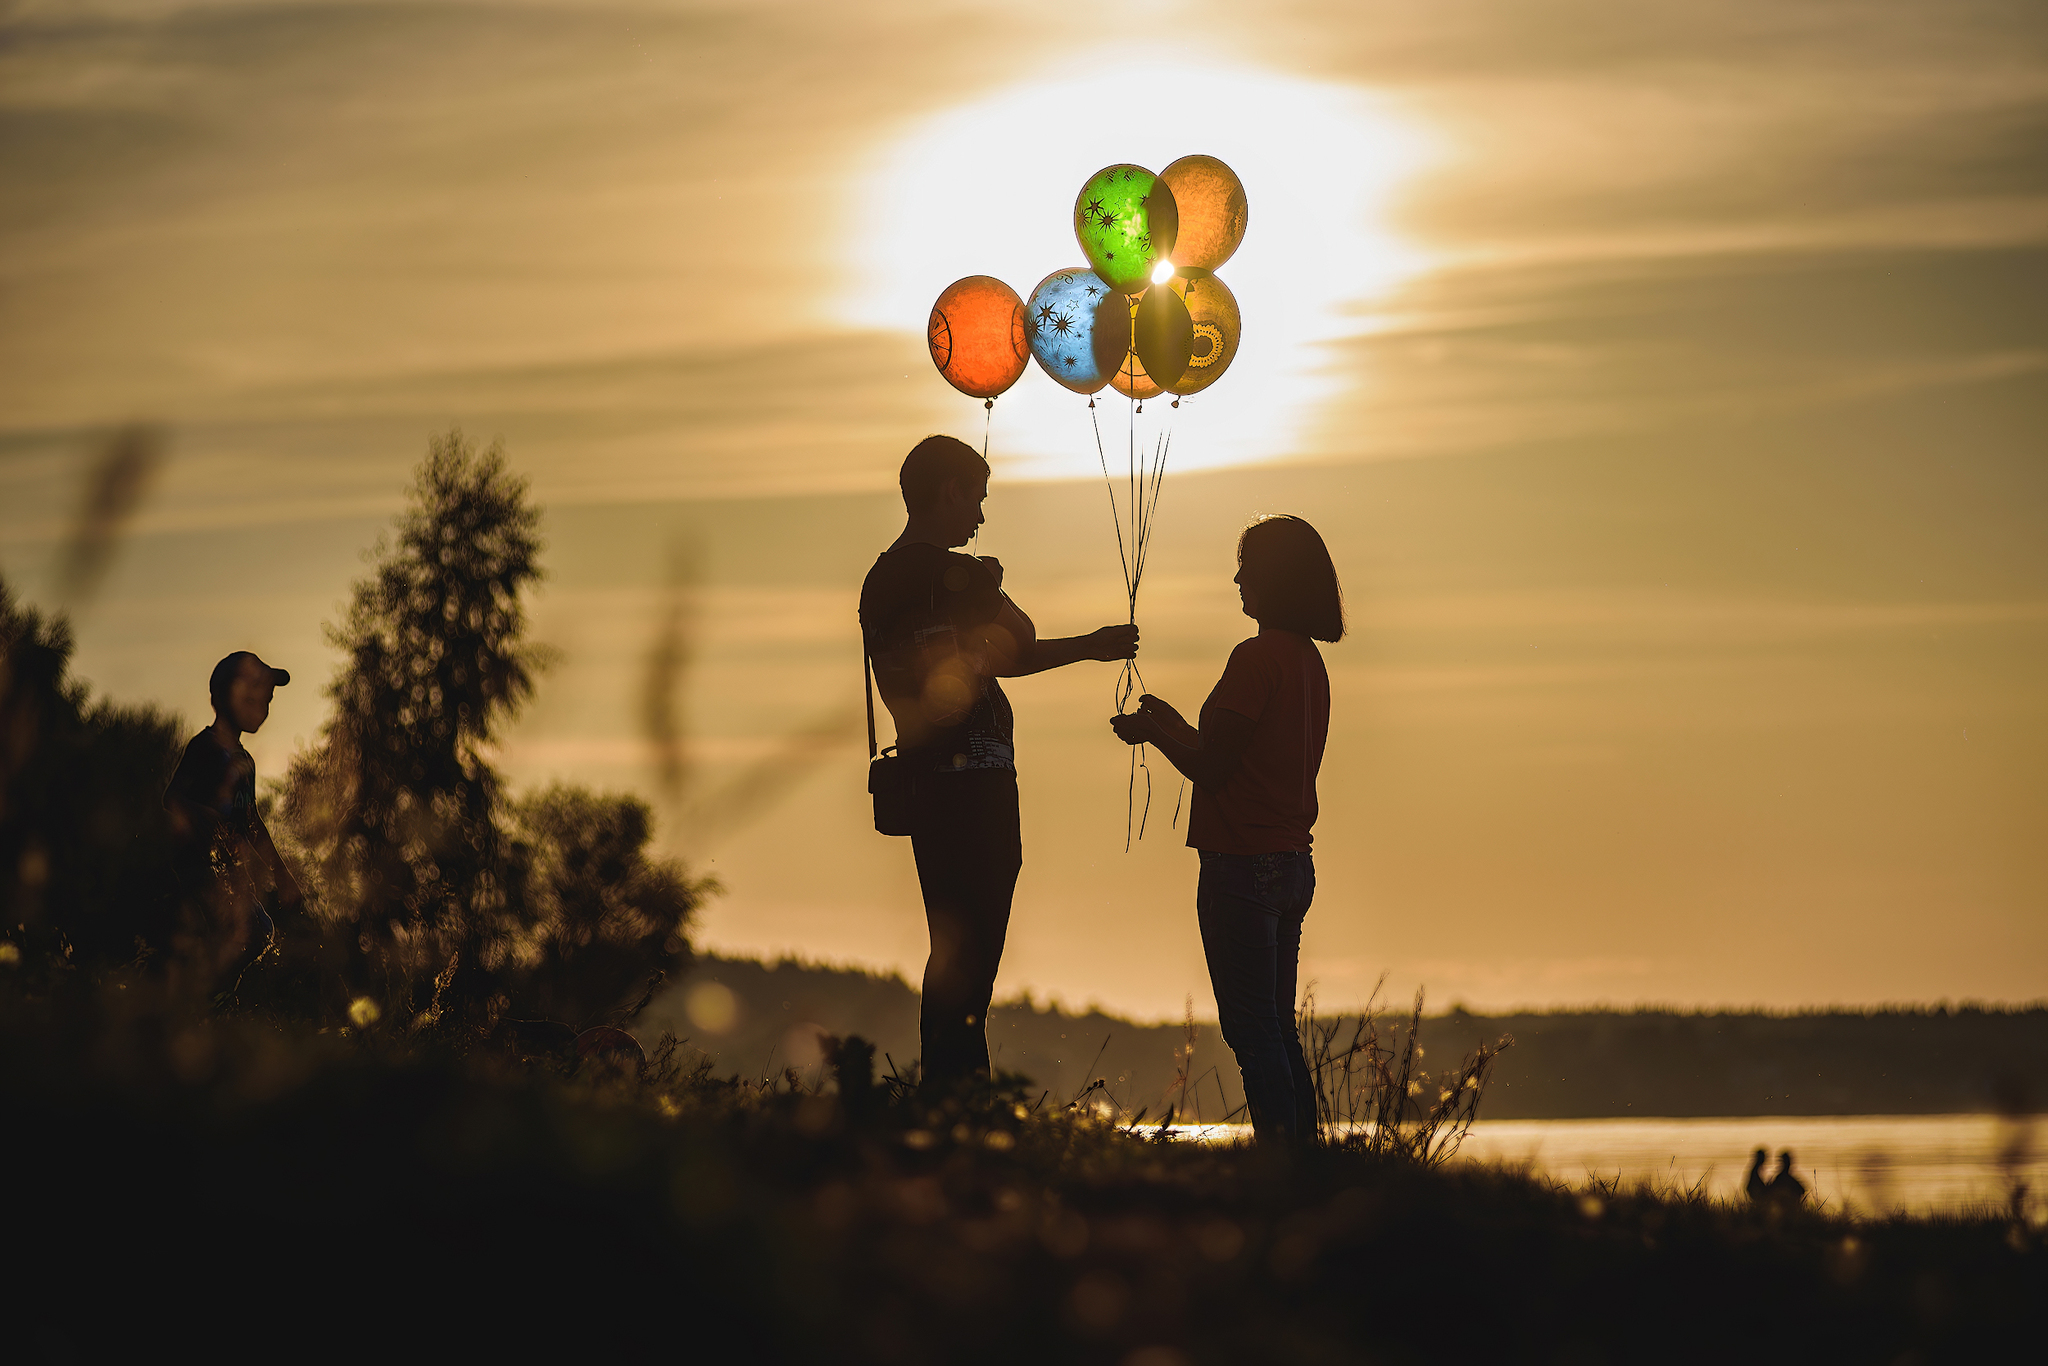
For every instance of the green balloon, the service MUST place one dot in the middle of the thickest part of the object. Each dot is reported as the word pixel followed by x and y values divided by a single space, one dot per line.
pixel 1126 220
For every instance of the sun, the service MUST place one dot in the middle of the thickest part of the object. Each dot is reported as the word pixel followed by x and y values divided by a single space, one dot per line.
pixel 1323 166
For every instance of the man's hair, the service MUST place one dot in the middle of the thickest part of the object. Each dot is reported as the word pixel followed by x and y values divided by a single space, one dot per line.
pixel 1289 568
pixel 931 463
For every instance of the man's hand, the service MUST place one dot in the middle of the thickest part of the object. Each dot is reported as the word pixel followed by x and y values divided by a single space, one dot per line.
pixel 1111 643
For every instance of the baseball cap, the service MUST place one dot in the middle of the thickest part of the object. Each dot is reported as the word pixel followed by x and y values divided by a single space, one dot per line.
pixel 223 675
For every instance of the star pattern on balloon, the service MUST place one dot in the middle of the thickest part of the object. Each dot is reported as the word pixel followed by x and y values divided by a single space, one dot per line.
pixel 1062 323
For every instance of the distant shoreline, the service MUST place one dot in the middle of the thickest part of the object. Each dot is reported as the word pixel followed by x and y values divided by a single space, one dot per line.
pixel 1648 1063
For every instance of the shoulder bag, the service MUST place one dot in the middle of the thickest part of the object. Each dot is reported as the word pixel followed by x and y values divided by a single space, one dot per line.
pixel 890 780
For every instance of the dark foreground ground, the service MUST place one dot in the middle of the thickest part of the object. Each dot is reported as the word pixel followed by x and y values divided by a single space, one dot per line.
pixel 239 1189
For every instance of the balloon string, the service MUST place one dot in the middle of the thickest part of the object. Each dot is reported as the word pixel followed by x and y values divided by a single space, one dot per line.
pixel 1115 517
pixel 1144 481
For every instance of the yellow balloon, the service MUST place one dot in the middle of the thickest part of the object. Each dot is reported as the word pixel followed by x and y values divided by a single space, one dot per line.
pixel 1212 308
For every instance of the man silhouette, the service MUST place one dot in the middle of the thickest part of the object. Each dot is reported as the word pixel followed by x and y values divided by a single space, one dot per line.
pixel 940 632
pixel 229 872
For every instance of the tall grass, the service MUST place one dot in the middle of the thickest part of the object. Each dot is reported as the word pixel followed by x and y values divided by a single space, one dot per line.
pixel 1372 1093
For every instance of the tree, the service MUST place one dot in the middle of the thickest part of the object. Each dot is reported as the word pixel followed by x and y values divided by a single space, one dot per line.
pixel 440 898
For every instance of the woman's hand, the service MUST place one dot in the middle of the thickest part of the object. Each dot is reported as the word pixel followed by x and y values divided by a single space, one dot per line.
pixel 1111 643
pixel 1161 711
pixel 1154 720
pixel 1207 758
pixel 1135 728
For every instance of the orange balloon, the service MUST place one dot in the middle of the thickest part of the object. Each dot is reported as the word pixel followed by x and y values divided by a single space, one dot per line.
pixel 978 336
pixel 1213 211
pixel 1129 378
pixel 1131 381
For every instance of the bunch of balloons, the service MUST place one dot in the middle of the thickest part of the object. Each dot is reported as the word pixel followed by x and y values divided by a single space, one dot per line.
pixel 1146 315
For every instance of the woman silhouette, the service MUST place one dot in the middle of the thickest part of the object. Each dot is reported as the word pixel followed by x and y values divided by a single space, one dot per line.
pixel 1253 762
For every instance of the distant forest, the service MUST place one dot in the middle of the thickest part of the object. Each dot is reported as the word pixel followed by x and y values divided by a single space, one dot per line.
pixel 1563 1065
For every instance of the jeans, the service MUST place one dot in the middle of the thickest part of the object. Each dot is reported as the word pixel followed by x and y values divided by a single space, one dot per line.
pixel 1251 907
pixel 968 856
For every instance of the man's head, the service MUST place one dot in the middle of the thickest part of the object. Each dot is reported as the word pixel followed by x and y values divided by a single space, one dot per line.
pixel 944 482
pixel 241 687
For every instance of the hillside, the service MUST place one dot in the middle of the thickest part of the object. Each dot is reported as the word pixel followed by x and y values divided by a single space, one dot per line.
pixel 1563 1065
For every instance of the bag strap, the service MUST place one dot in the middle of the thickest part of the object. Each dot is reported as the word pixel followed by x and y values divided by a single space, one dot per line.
pixel 867 678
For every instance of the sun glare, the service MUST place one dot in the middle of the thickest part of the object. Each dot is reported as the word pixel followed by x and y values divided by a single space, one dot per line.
pixel 1321 164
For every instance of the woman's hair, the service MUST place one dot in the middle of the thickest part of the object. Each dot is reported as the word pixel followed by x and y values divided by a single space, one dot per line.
pixel 1287 565
pixel 931 463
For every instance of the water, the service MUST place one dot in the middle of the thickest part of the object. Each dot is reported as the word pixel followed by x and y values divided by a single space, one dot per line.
pixel 1865 1163
pixel 1917 1163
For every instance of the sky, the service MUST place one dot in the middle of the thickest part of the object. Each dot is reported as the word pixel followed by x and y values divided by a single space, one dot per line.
pixel 1670 382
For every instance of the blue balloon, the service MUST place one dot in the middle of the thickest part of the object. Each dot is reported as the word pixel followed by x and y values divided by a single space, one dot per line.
pixel 1061 323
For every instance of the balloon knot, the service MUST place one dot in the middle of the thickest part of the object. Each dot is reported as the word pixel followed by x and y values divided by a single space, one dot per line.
pixel 1176 403
pixel 988 403
pixel 1141 407
pixel 1091 403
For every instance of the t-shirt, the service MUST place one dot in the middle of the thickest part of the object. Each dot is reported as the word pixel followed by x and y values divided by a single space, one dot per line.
pixel 925 615
pixel 1276 680
pixel 219 781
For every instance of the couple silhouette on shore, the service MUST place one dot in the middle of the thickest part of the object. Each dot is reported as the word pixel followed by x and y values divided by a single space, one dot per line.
pixel 941 633
pixel 1782 1188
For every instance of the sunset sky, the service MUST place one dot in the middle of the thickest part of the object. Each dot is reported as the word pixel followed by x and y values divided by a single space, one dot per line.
pixel 1670 382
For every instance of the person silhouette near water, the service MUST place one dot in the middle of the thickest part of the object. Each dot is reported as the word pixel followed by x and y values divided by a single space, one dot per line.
pixel 1758 1186
pixel 228 870
pixel 1782 1188
pixel 1786 1187
pixel 1253 760
pixel 940 632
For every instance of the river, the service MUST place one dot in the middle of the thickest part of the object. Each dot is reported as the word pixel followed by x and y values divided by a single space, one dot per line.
pixel 1863 1163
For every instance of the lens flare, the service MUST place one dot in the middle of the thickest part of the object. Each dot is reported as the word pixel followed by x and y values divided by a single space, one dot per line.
pixel 1162 272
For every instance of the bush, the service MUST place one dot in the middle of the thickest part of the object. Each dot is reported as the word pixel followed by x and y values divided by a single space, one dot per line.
pixel 600 923
pixel 85 881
